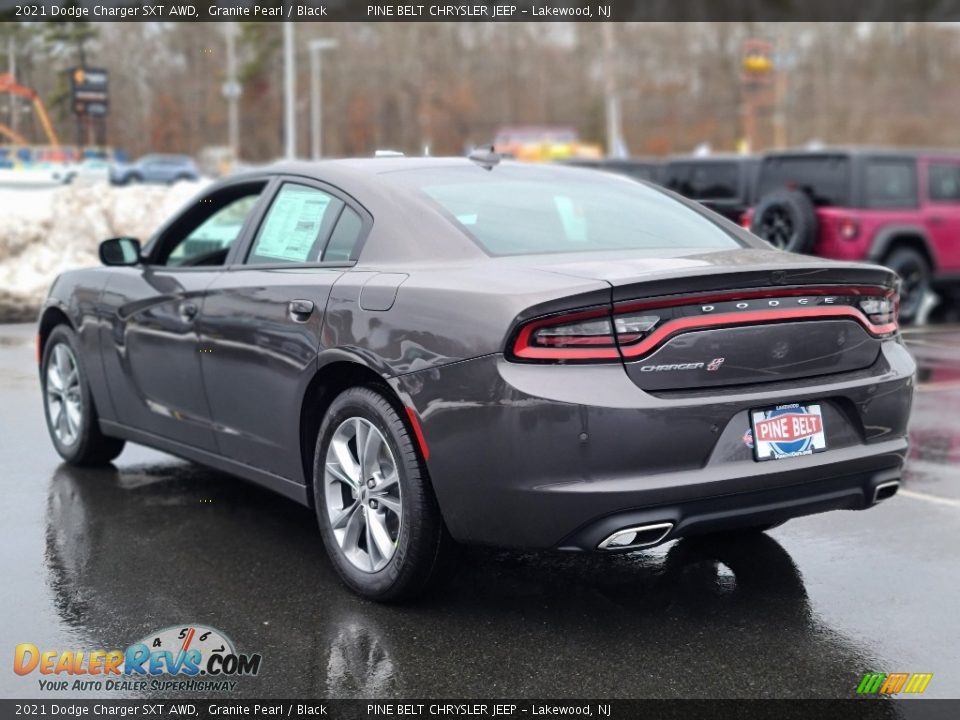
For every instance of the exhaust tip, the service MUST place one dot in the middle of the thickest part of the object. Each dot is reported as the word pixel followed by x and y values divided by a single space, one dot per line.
pixel 886 490
pixel 638 536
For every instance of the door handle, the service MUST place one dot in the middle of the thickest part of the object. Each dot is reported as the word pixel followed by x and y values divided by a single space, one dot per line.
pixel 188 311
pixel 300 310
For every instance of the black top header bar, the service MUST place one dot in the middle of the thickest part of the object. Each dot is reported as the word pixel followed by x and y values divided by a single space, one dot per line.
pixel 477 10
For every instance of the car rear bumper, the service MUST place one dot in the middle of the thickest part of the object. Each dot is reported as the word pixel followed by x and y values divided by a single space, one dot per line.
pixel 539 456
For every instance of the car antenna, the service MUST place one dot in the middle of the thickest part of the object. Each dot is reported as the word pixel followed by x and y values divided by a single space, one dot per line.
pixel 484 156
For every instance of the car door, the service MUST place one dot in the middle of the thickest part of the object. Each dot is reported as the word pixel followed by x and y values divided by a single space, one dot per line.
pixel 942 210
pixel 262 319
pixel 151 351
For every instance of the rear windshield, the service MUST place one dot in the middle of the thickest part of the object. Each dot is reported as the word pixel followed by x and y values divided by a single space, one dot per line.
pixel 517 210
pixel 825 178
pixel 704 181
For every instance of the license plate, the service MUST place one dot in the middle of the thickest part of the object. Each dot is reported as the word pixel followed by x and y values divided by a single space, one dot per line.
pixel 787 431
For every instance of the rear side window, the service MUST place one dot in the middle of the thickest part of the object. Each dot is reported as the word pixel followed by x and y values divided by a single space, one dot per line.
pixel 890 184
pixel 344 237
pixel 297 223
pixel 705 181
pixel 943 182
pixel 824 178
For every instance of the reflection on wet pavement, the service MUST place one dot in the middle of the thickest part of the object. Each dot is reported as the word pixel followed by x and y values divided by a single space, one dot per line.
pixel 934 461
pixel 154 544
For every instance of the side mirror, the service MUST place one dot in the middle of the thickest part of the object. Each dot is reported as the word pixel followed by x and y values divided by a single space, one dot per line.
pixel 120 251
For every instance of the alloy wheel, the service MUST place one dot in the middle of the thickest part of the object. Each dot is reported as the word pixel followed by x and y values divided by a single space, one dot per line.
pixel 64 400
pixel 776 227
pixel 363 496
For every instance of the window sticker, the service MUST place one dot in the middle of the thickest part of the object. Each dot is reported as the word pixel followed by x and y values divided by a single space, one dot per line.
pixel 292 225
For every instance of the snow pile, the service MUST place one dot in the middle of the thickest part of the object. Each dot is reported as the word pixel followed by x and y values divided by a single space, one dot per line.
pixel 44 232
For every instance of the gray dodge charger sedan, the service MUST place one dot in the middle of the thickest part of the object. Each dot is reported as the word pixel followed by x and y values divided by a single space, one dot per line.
pixel 440 351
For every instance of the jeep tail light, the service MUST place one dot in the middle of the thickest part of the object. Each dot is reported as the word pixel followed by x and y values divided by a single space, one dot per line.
pixel 849 228
pixel 746 221
pixel 590 336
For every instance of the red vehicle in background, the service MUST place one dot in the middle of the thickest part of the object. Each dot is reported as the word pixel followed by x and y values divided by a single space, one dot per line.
pixel 899 208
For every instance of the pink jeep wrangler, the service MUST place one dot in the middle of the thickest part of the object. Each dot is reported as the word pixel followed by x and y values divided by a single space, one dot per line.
pixel 898 208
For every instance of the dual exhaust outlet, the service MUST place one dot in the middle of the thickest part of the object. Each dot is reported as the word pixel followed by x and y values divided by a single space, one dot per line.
pixel 641 536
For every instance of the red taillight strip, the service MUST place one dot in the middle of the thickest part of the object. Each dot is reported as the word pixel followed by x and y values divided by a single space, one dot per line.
pixel 685 324
pixel 731 295
pixel 523 349
pixel 418 432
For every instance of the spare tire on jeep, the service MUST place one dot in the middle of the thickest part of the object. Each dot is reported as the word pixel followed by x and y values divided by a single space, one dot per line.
pixel 787 219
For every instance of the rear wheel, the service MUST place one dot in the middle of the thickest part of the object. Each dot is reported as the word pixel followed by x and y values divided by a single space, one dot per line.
pixel 380 522
pixel 914 271
pixel 68 405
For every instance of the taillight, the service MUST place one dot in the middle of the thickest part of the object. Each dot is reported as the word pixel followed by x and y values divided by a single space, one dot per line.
pixel 746 221
pixel 634 329
pixel 881 310
pixel 849 228
pixel 586 335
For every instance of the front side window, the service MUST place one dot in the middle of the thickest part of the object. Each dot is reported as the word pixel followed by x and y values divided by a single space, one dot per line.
pixel 891 184
pixel 296 226
pixel 515 210
pixel 204 237
pixel 943 182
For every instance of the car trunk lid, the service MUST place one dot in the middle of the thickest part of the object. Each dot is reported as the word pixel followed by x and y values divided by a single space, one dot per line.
pixel 687 321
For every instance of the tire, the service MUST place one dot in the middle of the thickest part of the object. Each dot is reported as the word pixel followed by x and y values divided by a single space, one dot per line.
pixel 74 429
pixel 914 271
pixel 787 219
pixel 421 546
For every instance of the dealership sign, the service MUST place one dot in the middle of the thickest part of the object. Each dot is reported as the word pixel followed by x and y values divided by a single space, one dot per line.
pixel 89 91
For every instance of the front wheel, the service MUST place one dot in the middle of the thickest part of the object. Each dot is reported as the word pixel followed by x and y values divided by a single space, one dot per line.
pixel 379 519
pixel 68 404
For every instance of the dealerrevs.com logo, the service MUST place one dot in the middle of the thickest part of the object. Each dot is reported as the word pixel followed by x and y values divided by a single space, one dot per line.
pixel 185 657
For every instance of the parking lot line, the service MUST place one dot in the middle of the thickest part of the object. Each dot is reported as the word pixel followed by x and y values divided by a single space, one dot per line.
pixel 930 498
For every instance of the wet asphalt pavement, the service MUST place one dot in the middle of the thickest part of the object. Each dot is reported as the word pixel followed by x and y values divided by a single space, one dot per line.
pixel 100 558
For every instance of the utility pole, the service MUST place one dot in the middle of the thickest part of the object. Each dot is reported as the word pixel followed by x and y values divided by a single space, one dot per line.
pixel 12 69
pixel 615 145
pixel 289 93
pixel 231 91
pixel 316 94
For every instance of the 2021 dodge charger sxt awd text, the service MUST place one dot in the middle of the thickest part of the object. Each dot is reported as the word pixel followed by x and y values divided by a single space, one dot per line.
pixel 437 351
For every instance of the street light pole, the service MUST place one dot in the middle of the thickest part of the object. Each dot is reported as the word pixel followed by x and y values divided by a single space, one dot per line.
pixel 615 146
pixel 231 91
pixel 289 91
pixel 316 94
pixel 12 69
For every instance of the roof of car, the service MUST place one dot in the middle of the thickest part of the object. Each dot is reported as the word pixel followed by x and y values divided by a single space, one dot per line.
pixel 865 150
pixel 371 166
pixel 712 157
